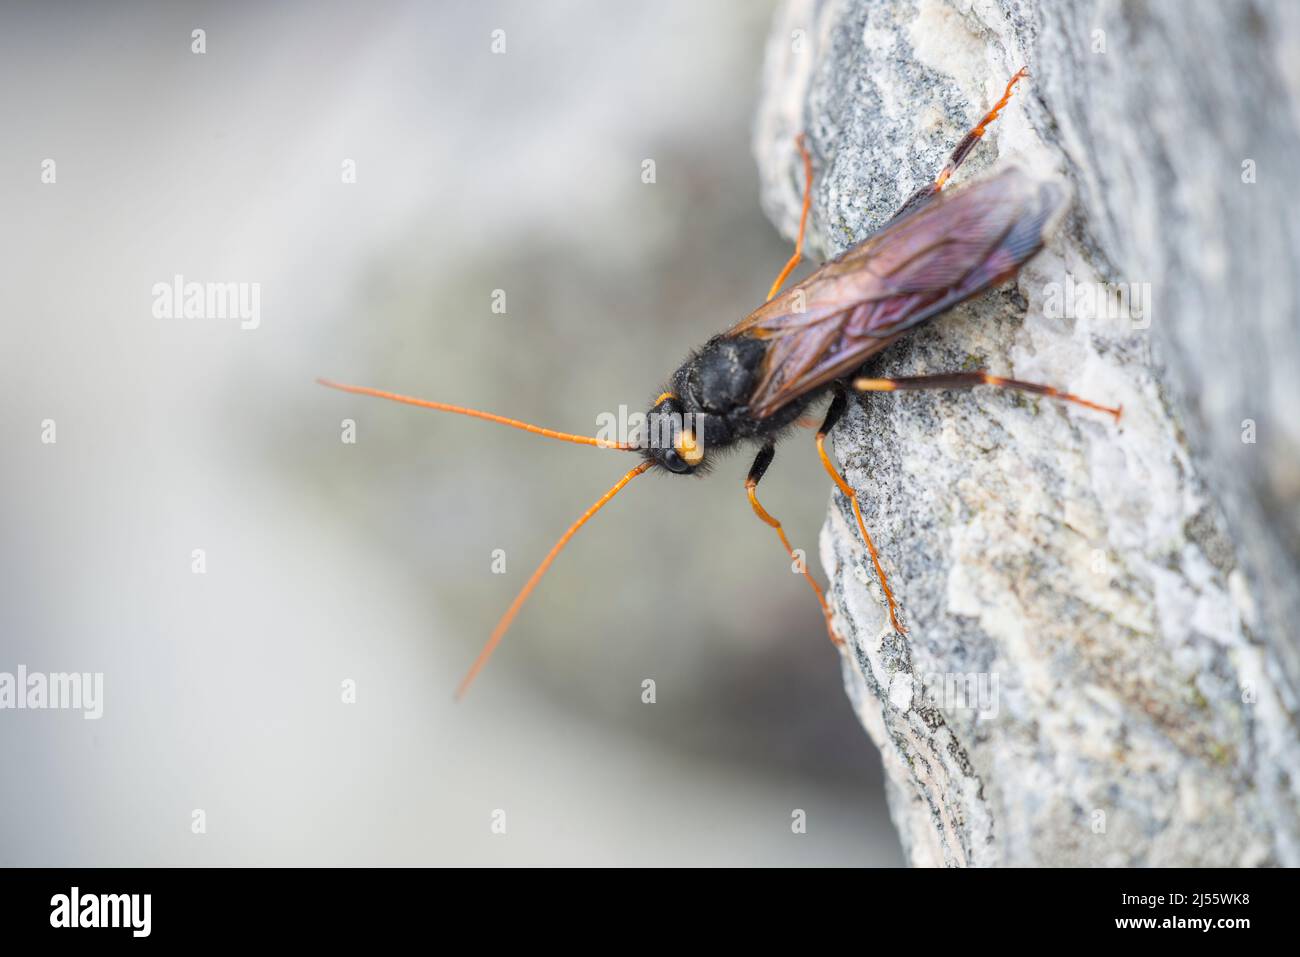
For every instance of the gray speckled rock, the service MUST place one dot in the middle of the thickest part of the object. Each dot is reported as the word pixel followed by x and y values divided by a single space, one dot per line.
pixel 1118 604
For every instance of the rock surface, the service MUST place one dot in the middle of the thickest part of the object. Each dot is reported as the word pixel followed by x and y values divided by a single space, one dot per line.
pixel 1101 658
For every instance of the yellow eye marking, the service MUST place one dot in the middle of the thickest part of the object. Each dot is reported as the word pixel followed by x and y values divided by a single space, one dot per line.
pixel 691 451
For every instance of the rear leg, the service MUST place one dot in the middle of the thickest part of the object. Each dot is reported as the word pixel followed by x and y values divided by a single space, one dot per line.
pixel 958 156
pixel 968 380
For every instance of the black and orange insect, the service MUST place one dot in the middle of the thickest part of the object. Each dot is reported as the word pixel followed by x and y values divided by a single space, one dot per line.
pixel 752 383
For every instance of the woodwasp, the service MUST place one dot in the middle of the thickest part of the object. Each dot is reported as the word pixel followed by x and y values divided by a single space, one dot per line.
pixel 751 383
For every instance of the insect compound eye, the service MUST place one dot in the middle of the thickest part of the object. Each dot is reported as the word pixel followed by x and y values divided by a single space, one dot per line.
pixel 674 462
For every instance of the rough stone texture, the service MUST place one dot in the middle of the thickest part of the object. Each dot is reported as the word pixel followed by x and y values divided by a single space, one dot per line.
pixel 1125 594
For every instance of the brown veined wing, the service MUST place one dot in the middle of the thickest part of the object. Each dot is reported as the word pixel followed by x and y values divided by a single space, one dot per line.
pixel 948 250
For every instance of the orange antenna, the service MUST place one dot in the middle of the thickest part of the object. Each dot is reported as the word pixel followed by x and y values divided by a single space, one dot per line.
pixel 499 631
pixel 475 413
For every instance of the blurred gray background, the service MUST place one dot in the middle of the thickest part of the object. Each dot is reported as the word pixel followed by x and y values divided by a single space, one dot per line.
pixel 372 562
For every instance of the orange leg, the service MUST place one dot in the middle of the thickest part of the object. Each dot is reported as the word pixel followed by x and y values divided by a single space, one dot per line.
pixel 837 408
pixel 761 463
pixel 958 156
pixel 974 136
pixel 968 380
pixel 803 219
